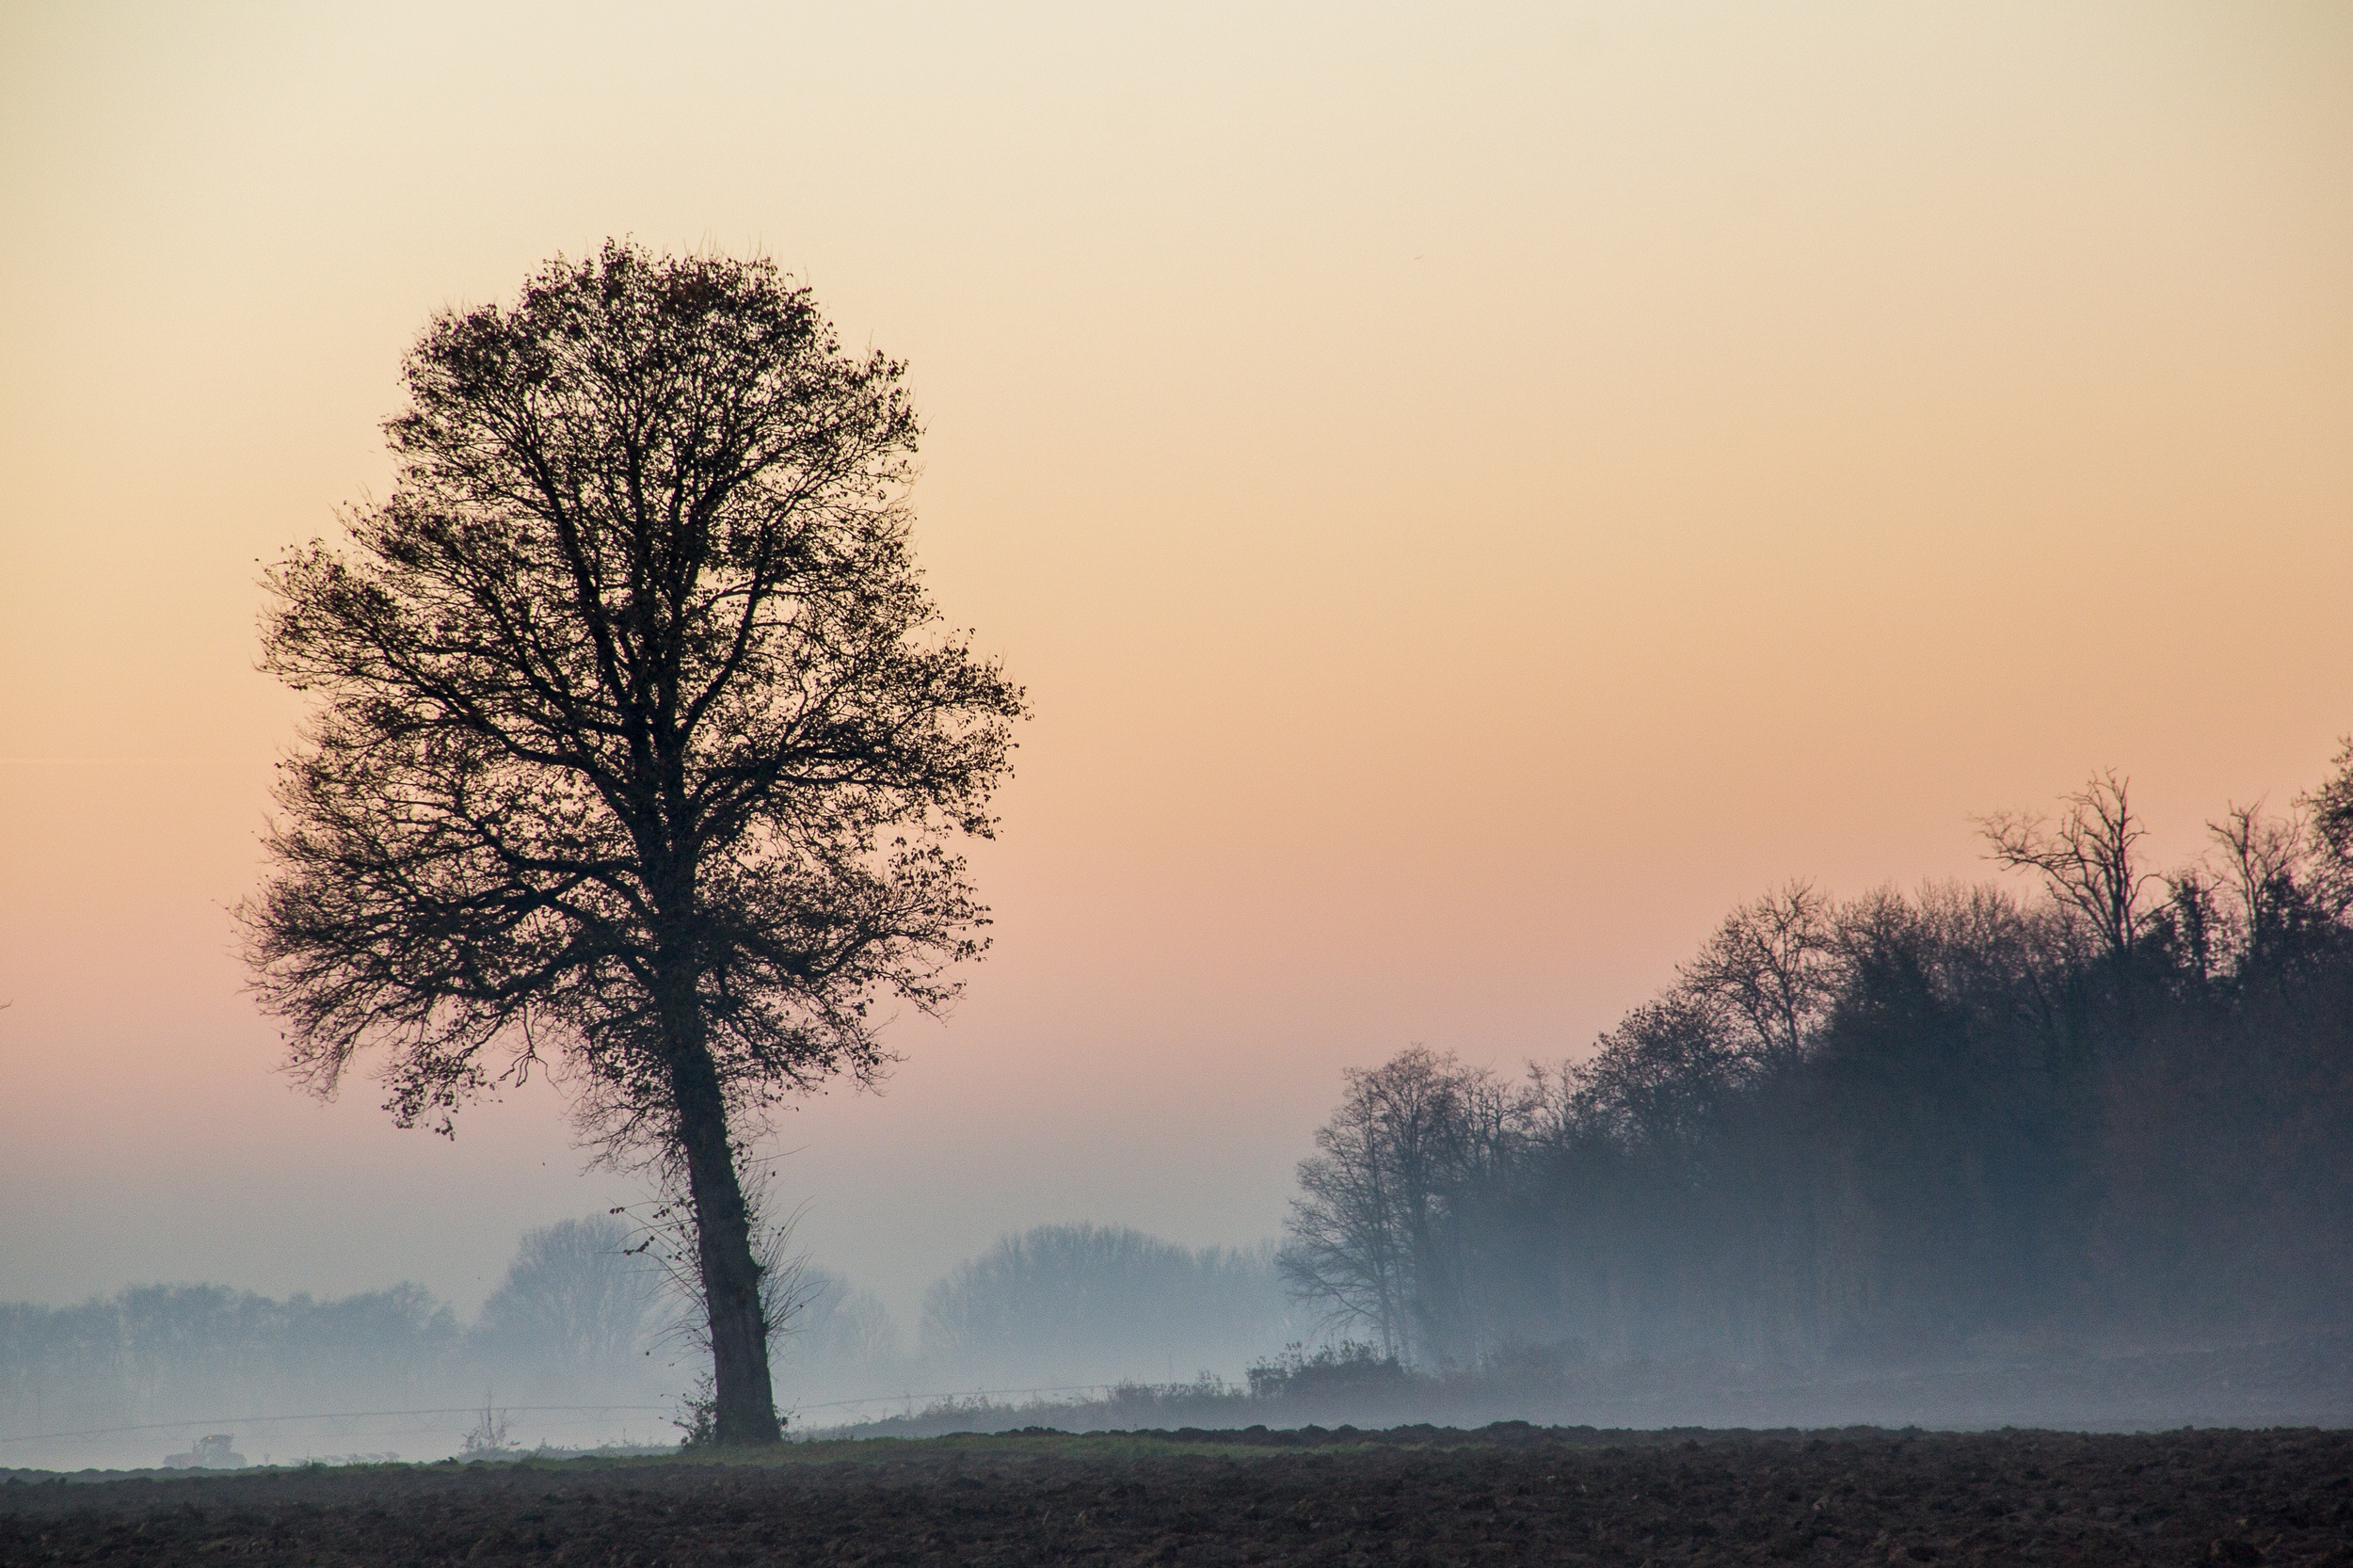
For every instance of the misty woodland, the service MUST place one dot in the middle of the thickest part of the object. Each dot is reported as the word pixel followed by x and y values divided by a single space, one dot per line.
pixel 1922 1131
pixel 2119 1108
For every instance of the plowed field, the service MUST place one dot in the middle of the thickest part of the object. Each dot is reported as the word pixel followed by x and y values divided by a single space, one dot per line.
pixel 1498 1496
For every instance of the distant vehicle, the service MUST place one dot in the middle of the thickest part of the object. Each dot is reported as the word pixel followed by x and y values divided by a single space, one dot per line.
pixel 210 1453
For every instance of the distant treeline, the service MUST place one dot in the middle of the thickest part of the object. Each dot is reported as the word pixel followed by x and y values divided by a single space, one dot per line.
pixel 2118 1112
pixel 573 1320
pixel 160 1351
pixel 1097 1303
pixel 586 1316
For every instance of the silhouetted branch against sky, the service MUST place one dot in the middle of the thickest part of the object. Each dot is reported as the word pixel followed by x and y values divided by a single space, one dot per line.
pixel 2085 858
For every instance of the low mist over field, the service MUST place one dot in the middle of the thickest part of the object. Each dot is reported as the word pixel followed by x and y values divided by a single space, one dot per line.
pixel 585 1342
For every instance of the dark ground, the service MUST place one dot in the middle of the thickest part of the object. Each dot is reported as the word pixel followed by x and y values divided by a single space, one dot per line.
pixel 1412 1496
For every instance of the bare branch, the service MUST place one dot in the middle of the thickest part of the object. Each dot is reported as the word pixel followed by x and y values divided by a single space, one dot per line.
pixel 2086 859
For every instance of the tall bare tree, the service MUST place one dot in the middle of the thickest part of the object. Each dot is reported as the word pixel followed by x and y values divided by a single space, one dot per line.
pixel 2088 859
pixel 1362 1229
pixel 637 746
pixel 2267 869
pixel 575 1303
pixel 1772 965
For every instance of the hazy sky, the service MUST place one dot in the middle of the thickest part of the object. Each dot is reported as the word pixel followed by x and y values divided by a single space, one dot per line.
pixel 1472 491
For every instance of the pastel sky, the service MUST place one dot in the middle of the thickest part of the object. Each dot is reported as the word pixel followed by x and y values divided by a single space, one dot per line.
pixel 1473 491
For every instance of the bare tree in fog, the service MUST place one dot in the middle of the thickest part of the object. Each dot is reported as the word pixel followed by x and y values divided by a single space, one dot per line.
pixel 1659 1080
pixel 840 1328
pixel 575 1300
pixel 2087 859
pixel 1772 965
pixel 638 746
pixel 1096 1302
pixel 1369 1197
pixel 2266 867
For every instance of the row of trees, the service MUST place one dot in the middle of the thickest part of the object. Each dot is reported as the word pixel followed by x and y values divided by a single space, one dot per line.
pixel 162 1352
pixel 589 1312
pixel 2120 1106
pixel 578 1318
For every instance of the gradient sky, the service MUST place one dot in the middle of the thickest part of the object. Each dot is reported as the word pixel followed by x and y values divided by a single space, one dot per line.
pixel 1473 493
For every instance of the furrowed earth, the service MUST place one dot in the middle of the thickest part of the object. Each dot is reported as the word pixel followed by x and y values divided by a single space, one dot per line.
pixel 1501 1495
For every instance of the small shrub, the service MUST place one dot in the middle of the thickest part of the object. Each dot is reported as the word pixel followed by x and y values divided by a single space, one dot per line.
pixel 698 1414
pixel 489 1437
pixel 1350 1367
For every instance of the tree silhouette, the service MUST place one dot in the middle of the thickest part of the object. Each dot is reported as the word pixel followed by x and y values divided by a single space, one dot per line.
pixel 1895 1125
pixel 1772 965
pixel 575 1302
pixel 2089 860
pixel 1361 1229
pixel 638 749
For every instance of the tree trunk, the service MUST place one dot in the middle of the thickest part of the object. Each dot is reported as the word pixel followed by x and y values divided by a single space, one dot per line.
pixel 747 1400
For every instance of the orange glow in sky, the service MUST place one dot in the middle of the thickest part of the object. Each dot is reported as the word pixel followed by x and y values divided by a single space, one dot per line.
pixel 1472 494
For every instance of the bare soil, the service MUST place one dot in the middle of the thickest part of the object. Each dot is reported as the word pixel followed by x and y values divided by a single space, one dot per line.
pixel 1504 1495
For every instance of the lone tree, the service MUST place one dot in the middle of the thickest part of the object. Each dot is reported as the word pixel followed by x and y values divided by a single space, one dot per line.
pixel 638 750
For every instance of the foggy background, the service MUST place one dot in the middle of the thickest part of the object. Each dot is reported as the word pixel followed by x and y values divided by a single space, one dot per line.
pixel 585 1343
pixel 1471 498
